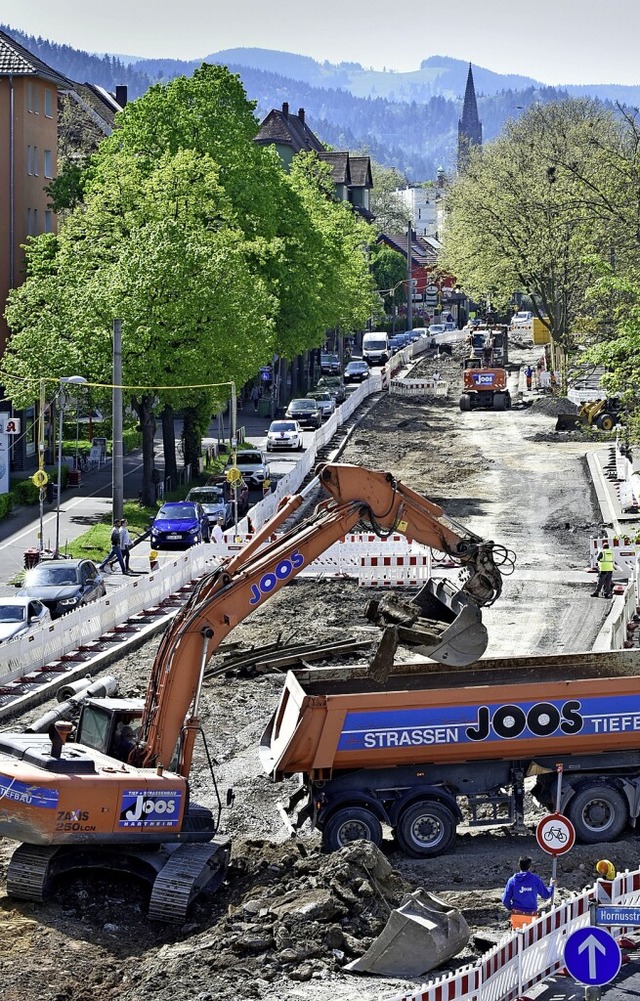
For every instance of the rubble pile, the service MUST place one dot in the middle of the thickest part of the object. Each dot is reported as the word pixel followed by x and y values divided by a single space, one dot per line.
pixel 291 915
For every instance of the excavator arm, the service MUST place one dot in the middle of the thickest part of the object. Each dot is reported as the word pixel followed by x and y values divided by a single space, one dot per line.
pixel 226 596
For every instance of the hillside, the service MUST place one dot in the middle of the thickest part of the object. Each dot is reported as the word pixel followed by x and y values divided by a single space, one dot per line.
pixel 405 120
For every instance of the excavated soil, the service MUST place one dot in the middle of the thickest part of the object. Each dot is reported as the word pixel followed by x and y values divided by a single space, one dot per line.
pixel 289 917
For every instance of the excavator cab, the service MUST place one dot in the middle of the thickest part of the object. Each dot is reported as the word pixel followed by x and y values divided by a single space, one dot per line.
pixel 110 726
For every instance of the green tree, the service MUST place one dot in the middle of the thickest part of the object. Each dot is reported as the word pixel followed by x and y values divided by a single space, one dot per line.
pixel 389 269
pixel 391 214
pixel 519 220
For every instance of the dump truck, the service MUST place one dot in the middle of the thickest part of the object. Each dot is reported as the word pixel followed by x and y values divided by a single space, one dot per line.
pixel 424 750
pixel 484 385
pixel 113 791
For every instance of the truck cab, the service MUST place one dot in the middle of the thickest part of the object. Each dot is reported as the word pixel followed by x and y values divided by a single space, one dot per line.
pixel 110 725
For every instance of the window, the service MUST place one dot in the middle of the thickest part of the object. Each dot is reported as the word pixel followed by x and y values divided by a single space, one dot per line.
pixel 29 160
pixel 36 99
pixel 48 221
pixel 29 222
pixel 29 97
pixel 35 222
pixel 48 163
pixel 35 161
pixel 48 103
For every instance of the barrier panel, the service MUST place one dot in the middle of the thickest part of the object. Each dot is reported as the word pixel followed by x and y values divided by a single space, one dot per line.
pixel 625 552
pixel 525 957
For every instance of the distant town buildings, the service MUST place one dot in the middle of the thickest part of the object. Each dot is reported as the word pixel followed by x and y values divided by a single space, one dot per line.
pixel 419 201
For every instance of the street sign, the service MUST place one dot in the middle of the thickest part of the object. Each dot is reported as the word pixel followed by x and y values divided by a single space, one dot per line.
pixel 431 290
pixel 555 834
pixel 617 916
pixel 592 956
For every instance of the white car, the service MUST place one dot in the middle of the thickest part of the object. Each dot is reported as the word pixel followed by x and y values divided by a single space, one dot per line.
pixel 18 615
pixel 253 465
pixel 521 318
pixel 284 434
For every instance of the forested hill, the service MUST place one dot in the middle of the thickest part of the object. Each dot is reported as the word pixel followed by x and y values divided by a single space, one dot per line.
pixel 405 120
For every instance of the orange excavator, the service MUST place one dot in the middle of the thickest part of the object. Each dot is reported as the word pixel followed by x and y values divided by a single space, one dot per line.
pixel 112 791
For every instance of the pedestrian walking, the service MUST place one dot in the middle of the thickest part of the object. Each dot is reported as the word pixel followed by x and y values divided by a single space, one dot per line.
pixel 528 374
pixel 606 869
pixel 125 543
pixel 254 396
pixel 217 535
pixel 115 551
pixel 521 894
pixel 605 561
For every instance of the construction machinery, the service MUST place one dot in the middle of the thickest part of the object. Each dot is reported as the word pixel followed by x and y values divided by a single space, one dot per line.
pixel 113 791
pixel 427 749
pixel 484 384
pixel 602 414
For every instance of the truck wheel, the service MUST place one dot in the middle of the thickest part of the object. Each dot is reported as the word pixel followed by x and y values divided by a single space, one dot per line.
pixel 465 402
pixel 426 829
pixel 351 824
pixel 598 813
pixel 499 402
pixel 605 422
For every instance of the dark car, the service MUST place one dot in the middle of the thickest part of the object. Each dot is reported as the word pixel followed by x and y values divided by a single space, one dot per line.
pixel 329 364
pixel 63 585
pixel 356 371
pixel 241 489
pixel 306 412
pixel 335 385
pixel 178 525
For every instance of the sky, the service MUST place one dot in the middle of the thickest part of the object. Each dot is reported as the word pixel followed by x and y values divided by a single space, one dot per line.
pixel 554 41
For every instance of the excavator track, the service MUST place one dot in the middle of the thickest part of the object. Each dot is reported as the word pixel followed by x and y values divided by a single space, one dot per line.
pixel 188 870
pixel 28 871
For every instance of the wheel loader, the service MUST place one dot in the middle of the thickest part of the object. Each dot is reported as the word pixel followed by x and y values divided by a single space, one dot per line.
pixel 602 414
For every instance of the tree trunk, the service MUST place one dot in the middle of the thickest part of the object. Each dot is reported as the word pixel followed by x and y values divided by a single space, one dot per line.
pixel 191 437
pixel 169 449
pixel 143 407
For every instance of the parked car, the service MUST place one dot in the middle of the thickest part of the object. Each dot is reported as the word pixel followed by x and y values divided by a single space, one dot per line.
pixel 230 490
pixel 253 465
pixel 356 371
pixel 179 525
pixel 335 385
pixel 216 503
pixel 398 342
pixel 329 364
pixel 306 412
pixel 523 317
pixel 19 615
pixel 63 585
pixel 325 401
pixel 437 328
pixel 284 434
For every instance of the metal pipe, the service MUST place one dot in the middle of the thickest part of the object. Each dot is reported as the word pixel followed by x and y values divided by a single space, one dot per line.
pixel 61 402
pixel 102 688
pixel 117 458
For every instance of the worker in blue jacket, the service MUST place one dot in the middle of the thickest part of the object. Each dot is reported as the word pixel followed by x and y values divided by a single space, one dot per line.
pixel 522 891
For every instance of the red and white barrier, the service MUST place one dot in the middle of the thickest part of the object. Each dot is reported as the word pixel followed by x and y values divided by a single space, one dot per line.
pixel 625 552
pixel 527 956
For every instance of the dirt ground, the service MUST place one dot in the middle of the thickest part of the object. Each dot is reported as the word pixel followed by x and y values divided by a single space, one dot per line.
pixel 290 917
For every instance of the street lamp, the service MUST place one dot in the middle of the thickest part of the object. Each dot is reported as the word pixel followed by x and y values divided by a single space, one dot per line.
pixel 75 380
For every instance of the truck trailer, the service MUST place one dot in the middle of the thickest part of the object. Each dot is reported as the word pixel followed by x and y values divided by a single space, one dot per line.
pixel 424 751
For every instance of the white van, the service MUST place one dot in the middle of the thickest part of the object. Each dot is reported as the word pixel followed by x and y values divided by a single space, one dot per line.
pixel 375 347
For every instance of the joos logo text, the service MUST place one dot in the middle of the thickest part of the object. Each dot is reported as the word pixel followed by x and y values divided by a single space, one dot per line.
pixel 281 571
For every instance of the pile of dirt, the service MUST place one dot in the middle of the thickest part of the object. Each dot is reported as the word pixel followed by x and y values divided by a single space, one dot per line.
pixel 553 405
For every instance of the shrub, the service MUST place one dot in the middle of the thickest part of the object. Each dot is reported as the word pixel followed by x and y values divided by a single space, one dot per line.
pixel 25 492
pixel 6 503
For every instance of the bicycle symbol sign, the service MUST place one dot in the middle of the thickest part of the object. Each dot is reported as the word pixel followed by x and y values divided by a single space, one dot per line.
pixel 555 834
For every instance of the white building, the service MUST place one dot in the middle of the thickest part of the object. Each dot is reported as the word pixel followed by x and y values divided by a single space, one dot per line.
pixel 420 203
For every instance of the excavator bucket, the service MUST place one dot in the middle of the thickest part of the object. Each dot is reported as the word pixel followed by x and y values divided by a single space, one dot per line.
pixel 440 623
pixel 419 936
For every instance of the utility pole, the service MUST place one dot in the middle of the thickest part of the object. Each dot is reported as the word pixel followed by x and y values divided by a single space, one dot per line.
pixel 117 457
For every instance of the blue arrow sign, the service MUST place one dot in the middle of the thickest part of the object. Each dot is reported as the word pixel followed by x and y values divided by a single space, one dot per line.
pixel 592 956
pixel 621 917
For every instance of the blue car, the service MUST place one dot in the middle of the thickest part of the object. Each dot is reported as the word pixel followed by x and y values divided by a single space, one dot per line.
pixel 179 525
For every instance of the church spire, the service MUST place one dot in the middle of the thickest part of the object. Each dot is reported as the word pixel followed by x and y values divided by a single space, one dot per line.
pixel 469 126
